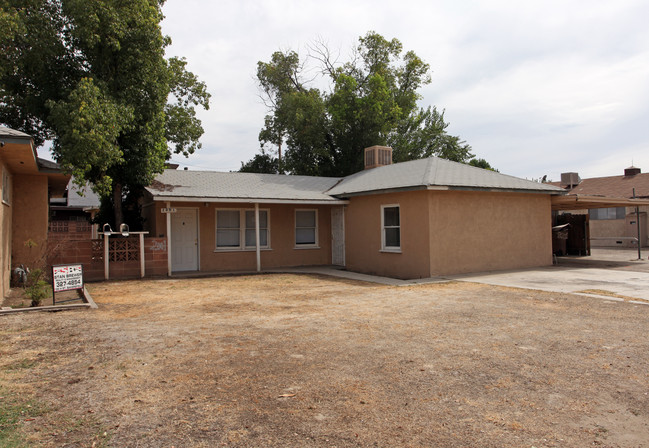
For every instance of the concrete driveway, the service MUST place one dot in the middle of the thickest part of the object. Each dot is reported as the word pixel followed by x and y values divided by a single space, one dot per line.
pixel 607 273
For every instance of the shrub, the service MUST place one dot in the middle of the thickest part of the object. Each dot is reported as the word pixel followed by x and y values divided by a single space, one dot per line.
pixel 37 288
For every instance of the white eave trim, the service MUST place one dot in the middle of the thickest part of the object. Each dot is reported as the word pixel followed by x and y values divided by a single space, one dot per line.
pixel 448 188
pixel 251 200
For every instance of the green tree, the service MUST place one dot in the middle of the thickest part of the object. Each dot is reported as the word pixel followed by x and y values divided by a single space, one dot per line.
pixel 261 163
pixel 92 77
pixel 482 163
pixel 371 100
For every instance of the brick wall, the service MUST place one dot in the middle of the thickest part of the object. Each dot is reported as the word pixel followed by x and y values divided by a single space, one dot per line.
pixel 124 256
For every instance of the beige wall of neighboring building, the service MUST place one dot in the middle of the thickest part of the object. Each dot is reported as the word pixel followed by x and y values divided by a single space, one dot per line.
pixel 30 220
pixel 616 232
pixel 485 231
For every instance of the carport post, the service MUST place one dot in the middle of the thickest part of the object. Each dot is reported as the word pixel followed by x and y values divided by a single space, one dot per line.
pixel 257 237
pixel 169 240
pixel 106 256
pixel 142 270
pixel 637 223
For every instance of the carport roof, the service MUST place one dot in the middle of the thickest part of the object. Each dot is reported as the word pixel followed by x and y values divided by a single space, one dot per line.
pixel 583 202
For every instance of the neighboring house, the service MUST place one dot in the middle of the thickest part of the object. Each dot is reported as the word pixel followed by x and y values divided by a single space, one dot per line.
pixel 70 216
pixel 27 184
pixel 613 224
pixel 414 219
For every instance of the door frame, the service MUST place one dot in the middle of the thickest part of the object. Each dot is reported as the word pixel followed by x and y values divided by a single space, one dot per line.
pixel 198 238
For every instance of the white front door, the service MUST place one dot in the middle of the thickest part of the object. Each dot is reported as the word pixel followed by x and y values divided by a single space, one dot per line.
pixel 184 240
pixel 338 236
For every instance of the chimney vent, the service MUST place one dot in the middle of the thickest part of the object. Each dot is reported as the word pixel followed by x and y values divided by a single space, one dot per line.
pixel 376 156
pixel 631 171
pixel 569 180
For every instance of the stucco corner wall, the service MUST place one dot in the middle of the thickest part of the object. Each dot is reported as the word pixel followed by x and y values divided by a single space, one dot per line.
pixel 30 220
pixel 487 231
pixel 5 240
pixel 363 235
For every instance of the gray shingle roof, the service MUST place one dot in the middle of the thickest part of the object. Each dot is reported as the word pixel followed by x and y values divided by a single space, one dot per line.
pixel 173 184
pixel 48 164
pixel 88 200
pixel 433 172
pixel 415 174
pixel 8 132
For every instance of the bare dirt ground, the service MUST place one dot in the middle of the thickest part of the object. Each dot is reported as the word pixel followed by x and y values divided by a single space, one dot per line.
pixel 289 360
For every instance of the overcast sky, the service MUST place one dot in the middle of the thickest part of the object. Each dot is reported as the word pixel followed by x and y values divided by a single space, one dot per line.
pixel 535 87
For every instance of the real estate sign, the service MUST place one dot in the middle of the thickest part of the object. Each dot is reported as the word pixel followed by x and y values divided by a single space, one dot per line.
pixel 67 277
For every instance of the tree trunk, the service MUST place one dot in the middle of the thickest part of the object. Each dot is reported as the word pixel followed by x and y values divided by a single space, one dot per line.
pixel 117 205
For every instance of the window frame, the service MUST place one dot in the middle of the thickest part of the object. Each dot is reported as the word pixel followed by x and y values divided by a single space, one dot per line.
pixel 241 230
pixel 316 243
pixel 384 247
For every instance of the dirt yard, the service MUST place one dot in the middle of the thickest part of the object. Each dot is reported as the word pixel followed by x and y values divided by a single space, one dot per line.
pixel 304 361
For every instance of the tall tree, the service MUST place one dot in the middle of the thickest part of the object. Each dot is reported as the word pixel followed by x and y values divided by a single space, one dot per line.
pixel 371 100
pixel 92 77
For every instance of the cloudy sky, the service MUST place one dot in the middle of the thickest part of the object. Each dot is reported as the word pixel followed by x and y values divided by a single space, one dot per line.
pixel 535 87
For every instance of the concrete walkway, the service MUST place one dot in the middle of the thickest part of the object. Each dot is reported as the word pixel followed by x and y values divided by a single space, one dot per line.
pixel 604 283
pixel 612 274
pixel 334 271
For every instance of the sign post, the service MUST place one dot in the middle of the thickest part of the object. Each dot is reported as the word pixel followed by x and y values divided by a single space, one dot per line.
pixel 66 278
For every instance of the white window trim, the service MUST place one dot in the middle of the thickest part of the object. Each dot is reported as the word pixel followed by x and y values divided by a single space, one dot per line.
pixel 6 186
pixel 384 248
pixel 242 230
pixel 315 245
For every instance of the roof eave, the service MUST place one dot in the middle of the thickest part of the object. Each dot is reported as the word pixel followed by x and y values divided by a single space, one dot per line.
pixel 447 188
pixel 247 200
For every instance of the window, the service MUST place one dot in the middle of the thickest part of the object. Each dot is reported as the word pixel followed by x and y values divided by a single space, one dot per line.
pixel 227 229
pixel 6 187
pixel 306 228
pixel 607 213
pixel 390 228
pixel 235 229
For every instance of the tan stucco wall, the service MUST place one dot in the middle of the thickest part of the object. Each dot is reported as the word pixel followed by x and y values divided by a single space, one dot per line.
pixel 363 235
pixel 30 220
pixel 5 240
pixel 483 231
pixel 607 228
pixel 447 232
pixel 282 252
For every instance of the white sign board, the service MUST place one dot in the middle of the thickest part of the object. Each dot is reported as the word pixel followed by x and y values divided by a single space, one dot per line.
pixel 67 277
pixel 169 210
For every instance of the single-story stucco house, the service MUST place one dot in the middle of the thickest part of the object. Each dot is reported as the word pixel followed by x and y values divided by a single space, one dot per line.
pixel 414 219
